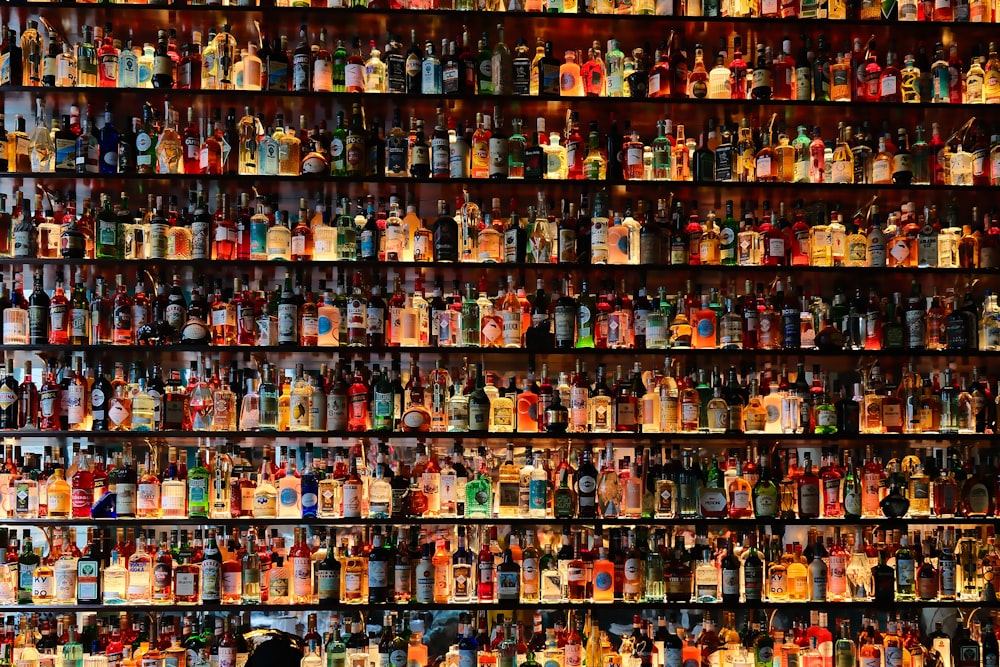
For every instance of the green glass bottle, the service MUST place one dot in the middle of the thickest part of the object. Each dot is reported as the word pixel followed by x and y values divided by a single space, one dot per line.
pixel 655 584
pixel 339 58
pixel 662 153
pixel 27 561
pixel 479 403
pixel 704 390
pixel 729 232
pixel 382 414
pixel 470 319
pixel 328 594
pixel 268 400
pixel 825 414
pixel 107 231
pixel 198 487
pixel 72 653
pixel 844 650
pixel 516 145
pixel 763 647
pixel 338 148
pixel 765 495
pixel 562 497
pixel 586 316
pixel 479 491
pixel 484 68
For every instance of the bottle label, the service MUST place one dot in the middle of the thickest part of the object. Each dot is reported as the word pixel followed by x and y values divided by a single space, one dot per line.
pixel 42 586
pixel 352 500
pixel 301 576
pixel 288 323
pixel 753 582
pixel 876 251
pixel 227 656
pixel 809 499
pixel 511 328
pixel 764 167
pixel 730 581
pixel 162 577
pixel 508 585
pixel 739 499
pixel 185 584
pixel 467 658
pixel 586 485
pixel 378 574
pixel 573 655
pixel 327 584
pixel 210 584
pixel 289 497
pixel 905 571
pixel 232 583
pixel 148 497
pixel 916 328
pixel 713 501
pixel 87 578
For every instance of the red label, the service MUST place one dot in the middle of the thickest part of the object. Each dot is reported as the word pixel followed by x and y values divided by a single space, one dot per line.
pixel 82 497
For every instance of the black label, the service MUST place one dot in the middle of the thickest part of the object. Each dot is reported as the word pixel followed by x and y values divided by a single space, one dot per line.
pixel 395 68
pixel 533 163
pixel 396 155
pixel 957 332
pixel 724 163
pixel 449 79
pixel 445 243
pixel 522 76
pixel 859 164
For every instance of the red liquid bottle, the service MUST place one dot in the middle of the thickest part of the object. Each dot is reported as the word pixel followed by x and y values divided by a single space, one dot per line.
pixel 357 397
pixel 485 573
pixel 82 496
pixel 49 403
pixel 243 228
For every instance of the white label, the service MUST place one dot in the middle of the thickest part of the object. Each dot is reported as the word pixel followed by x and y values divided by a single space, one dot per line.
pixel 354 76
pixel 730 582
pixel 881 171
pixel 809 499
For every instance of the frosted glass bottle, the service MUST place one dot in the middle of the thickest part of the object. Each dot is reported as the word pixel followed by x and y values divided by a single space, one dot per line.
pixel 556 161
pixel 720 81
pixel 570 81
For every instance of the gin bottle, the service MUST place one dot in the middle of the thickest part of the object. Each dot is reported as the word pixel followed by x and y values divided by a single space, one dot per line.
pixel 479 491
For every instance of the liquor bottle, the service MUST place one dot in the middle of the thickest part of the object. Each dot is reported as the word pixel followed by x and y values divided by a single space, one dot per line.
pixel 59 495
pixel 730 575
pixel 585 484
pixel 227 647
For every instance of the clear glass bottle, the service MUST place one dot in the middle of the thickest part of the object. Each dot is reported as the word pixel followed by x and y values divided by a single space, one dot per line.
pixel 143 409
pixel 114 581
pixel 43 150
